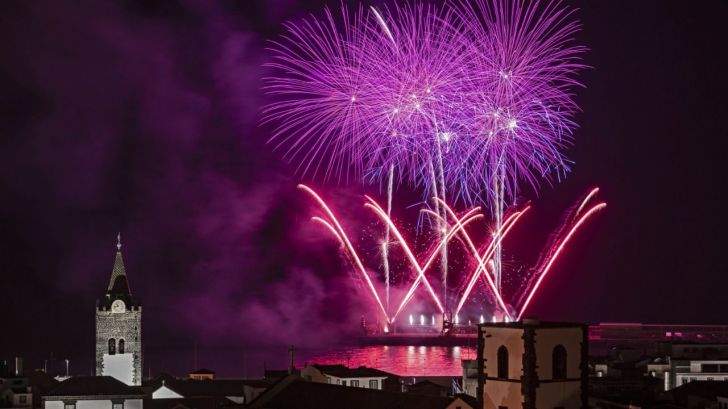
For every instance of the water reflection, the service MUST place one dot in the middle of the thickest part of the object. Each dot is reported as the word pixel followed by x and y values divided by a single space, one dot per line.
pixel 401 360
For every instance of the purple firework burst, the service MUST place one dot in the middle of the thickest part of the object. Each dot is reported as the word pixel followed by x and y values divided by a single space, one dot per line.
pixel 317 106
pixel 520 106
pixel 416 62
pixel 473 96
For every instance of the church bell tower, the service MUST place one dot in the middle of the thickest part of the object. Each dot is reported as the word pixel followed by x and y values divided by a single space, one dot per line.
pixel 119 328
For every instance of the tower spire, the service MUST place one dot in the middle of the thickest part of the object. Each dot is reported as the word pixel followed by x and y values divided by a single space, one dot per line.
pixel 118 283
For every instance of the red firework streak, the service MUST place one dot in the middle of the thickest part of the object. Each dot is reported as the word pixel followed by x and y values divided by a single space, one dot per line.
pixel 562 238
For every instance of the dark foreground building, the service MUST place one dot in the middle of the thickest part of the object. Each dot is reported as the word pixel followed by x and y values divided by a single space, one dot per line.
pixel 295 393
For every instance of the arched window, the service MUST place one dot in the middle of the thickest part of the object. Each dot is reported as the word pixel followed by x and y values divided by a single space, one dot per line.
pixel 112 346
pixel 121 346
pixel 558 362
pixel 503 362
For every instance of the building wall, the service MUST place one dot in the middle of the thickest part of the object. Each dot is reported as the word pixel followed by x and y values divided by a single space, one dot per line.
pixel 547 339
pixel 512 339
pixel 363 382
pixel 503 392
pixel 313 374
pixel 470 377
pixel 127 326
pixel 683 372
pixel 17 397
pixel 530 380
pixel 550 393
pixel 559 394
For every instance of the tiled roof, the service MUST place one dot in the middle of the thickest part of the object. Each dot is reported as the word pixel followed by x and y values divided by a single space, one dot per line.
pixel 301 394
pixel 190 388
pixel 341 371
pixel 203 371
pixel 94 386
pixel 709 390
pixel 190 403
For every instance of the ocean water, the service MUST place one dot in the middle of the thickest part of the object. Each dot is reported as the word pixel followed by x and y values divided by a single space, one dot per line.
pixel 251 362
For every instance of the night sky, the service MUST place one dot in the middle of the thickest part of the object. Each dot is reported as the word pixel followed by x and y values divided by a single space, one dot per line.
pixel 142 117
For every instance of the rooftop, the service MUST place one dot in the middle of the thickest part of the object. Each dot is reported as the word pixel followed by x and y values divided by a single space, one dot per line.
pixel 190 388
pixel 203 371
pixel 94 386
pixel 341 371
pixel 300 394
pixel 532 323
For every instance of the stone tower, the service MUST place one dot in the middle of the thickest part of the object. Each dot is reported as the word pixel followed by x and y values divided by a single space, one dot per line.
pixel 532 365
pixel 119 328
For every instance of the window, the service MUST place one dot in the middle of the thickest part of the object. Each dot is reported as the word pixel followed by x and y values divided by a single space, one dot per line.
pixel 373 384
pixel 558 362
pixel 121 348
pixel 328 379
pixel 117 406
pixel 69 406
pixel 23 399
pixel 503 362
pixel 112 346
pixel 343 383
pixel 355 382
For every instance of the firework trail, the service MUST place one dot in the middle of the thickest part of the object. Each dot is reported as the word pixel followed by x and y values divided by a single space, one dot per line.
pixel 483 258
pixel 555 253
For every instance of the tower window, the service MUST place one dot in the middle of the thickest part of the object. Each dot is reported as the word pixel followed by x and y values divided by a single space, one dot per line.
pixel 558 362
pixel 121 346
pixel 112 346
pixel 503 362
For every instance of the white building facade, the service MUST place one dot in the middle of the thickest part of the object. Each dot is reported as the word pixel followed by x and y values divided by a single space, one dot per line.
pixel 684 371
pixel 361 377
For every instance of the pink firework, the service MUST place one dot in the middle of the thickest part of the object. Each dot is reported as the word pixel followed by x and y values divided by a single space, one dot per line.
pixel 482 256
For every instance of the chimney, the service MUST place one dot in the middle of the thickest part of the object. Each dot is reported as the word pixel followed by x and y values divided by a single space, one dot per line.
pixel 18 366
